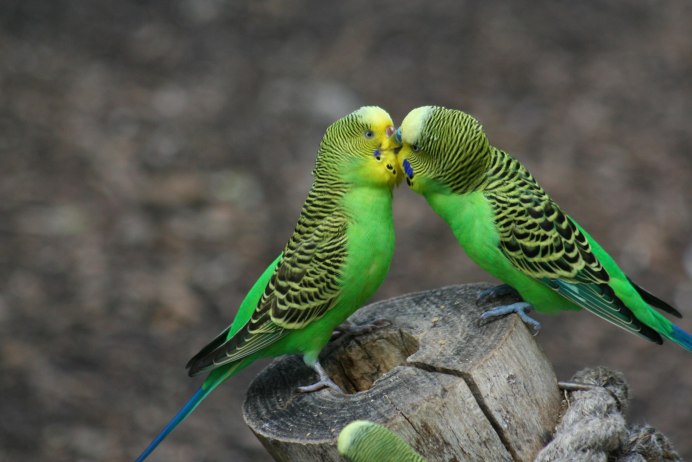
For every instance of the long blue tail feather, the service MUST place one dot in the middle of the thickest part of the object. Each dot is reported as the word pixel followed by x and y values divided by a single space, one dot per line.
pixel 215 378
pixel 185 411
pixel 681 337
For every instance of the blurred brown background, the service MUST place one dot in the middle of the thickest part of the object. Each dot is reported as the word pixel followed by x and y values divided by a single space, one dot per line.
pixel 154 156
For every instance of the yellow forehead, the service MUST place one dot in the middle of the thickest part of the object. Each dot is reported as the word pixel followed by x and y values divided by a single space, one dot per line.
pixel 375 117
pixel 413 124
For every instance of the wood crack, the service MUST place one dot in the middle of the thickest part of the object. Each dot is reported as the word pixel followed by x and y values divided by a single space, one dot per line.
pixel 479 400
pixel 492 395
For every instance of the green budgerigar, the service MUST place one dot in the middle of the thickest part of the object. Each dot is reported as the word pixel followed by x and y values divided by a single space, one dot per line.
pixel 337 257
pixel 511 228
pixel 364 441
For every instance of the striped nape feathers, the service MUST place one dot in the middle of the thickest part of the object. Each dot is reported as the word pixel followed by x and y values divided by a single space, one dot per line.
pixel 446 148
pixel 357 149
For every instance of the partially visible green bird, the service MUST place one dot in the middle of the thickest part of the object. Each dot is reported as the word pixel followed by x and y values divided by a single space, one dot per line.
pixel 511 228
pixel 337 257
pixel 364 441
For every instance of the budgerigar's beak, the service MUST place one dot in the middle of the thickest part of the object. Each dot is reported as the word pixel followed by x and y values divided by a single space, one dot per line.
pixel 389 149
pixel 402 157
pixel 392 142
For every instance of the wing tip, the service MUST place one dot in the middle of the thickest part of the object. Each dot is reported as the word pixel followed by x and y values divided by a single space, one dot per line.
pixel 193 369
pixel 197 364
pixel 654 301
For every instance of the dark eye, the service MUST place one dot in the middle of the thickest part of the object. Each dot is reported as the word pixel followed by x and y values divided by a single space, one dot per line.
pixel 415 148
pixel 368 134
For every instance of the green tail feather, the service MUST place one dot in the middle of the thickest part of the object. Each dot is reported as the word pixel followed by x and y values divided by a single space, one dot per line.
pixel 602 301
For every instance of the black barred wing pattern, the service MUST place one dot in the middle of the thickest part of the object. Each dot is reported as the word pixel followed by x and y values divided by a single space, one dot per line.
pixel 535 235
pixel 306 283
pixel 547 245
pixel 304 286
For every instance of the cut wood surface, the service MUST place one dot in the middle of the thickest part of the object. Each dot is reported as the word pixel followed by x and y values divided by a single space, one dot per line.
pixel 454 387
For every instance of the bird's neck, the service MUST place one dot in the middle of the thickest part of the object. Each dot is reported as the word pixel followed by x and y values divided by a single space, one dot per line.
pixel 502 171
pixel 331 193
pixel 326 195
pixel 324 199
pixel 471 174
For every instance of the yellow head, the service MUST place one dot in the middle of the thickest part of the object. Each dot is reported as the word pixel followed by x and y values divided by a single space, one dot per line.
pixel 360 149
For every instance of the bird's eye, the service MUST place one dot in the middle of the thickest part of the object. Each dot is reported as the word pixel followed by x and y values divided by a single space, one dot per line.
pixel 415 147
pixel 368 134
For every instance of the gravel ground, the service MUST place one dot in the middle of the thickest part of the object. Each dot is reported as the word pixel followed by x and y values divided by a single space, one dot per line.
pixel 154 156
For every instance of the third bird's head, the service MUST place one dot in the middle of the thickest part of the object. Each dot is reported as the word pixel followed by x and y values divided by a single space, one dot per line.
pixel 442 150
pixel 361 150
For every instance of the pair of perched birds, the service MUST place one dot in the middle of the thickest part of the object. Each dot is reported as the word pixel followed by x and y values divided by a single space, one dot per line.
pixel 341 249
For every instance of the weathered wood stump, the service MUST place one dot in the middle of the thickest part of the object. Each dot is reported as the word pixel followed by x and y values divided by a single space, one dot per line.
pixel 454 388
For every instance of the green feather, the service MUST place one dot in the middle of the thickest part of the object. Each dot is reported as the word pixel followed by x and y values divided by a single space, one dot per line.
pixel 511 228
pixel 363 441
pixel 337 257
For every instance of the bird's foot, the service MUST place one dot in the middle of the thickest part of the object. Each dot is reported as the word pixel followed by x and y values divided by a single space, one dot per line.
pixel 349 329
pixel 493 293
pixel 323 382
pixel 520 308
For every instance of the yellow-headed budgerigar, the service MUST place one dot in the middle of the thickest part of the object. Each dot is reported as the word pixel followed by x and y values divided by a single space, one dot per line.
pixel 510 227
pixel 363 441
pixel 337 257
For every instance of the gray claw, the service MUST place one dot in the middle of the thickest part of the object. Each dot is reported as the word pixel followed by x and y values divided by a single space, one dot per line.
pixel 323 382
pixel 519 308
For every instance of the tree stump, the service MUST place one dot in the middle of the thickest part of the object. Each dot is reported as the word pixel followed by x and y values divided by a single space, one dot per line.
pixel 456 389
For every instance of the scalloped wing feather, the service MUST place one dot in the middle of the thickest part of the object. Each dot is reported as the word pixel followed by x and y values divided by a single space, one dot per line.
pixel 303 287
